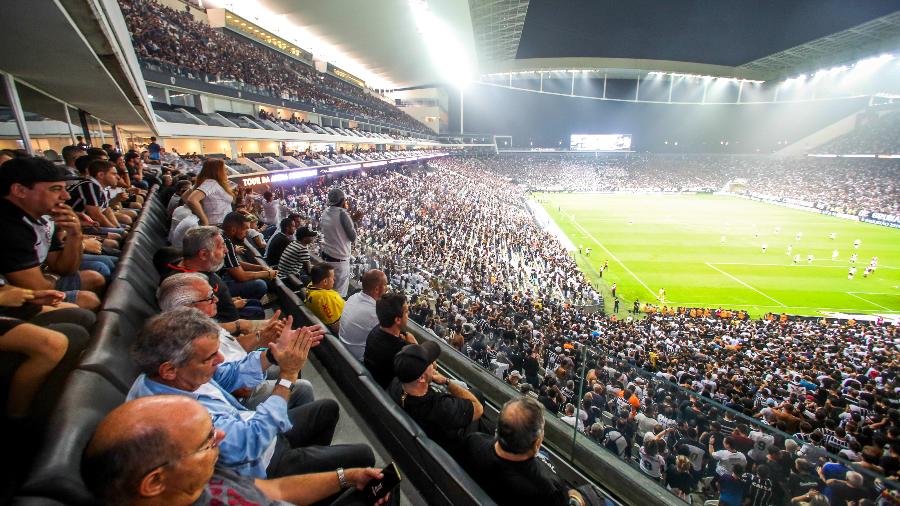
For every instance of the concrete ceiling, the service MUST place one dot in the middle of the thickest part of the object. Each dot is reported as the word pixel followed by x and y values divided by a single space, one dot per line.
pixel 73 51
pixel 383 35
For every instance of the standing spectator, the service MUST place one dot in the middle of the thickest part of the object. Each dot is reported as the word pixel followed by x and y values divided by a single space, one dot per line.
pixel 154 149
pixel 338 233
pixel 759 487
pixel 271 213
pixel 732 488
pixel 212 197
pixel 728 458
pixel 358 317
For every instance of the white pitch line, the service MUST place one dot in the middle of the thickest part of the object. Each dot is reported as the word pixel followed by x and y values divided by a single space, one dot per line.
pixel 869 301
pixel 878 293
pixel 612 255
pixel 745 284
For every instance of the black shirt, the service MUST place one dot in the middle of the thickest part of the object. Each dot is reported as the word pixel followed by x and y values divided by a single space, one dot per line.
pixel 225 310
pixel 231 258
pixel 26 241
pixel 379 355
pixel 444 418
pixel 276 247
pixel 511 483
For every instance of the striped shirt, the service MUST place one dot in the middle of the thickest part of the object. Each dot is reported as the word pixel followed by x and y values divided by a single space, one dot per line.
pixel 292 261
pixel 759 490
pixel 231 259
pixel 88 192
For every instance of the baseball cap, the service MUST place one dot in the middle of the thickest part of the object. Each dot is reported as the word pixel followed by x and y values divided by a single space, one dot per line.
pixel 335 196
pixel 412 360
pixel 30 170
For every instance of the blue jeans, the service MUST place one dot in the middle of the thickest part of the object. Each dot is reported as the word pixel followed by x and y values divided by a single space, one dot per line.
pixel 103 264
pixel 252 311
pixel 102 231
pixel 253 289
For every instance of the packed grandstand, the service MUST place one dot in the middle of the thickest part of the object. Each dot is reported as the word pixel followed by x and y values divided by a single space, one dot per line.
pixel 294 314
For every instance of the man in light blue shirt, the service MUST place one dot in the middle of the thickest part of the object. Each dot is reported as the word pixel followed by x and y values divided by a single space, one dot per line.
pixel 178 353
pixel 358 317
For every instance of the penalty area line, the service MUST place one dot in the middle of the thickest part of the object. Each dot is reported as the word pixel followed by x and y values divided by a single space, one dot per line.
pixel 711 266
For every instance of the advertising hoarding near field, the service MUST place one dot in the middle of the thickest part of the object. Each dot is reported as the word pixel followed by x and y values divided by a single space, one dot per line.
pixel 600 142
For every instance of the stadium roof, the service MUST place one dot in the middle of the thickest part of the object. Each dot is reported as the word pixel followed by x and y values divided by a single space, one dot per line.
pixel 383 36
pixel 761 39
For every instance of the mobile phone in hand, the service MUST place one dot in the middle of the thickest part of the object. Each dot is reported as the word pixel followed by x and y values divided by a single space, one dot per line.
pixel 376 489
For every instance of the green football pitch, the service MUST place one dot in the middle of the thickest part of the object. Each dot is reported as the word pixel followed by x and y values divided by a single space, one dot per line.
pixel 707 251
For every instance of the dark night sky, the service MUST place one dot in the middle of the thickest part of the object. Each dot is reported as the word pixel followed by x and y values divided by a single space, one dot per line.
pixel 722 32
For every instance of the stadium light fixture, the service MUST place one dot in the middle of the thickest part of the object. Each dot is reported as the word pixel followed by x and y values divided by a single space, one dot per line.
pixel 443 44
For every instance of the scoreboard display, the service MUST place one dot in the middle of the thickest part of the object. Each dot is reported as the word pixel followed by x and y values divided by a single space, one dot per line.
pixel 602 142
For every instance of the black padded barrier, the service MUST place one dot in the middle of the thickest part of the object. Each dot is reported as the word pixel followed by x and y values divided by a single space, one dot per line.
pixel 433 472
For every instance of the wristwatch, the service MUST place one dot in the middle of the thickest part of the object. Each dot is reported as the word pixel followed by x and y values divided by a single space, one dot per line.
pixel 285 383
pixel 342 480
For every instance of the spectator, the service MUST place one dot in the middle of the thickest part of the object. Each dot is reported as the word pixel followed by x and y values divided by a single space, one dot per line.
pixel 388 338
pixel 507 466
pixel 358 317
pixel 759 487
pixel 204 251
pixel 280 240
pixel 212 197
pixel 174 432
pixel 338 235
pixel 178 353
pixel 732 488
pixel 322 300
pixel 271 213
pixel 89 196
pixel 244 279
pixel 237 338
pixel 296 257
pixel 32 188
pixel 447 418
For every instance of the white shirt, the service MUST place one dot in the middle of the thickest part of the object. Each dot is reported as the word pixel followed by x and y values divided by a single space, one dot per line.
pixel 229 346
pixel 217 202
pixel 177 235
pixel 357 320
pixel 271 212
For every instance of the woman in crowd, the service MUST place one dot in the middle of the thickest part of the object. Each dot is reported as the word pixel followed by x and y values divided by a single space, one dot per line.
pixel 212 197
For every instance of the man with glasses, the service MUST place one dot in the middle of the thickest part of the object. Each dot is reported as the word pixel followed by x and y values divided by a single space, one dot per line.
pixel 178 353
pixel 237 338
pixel 166 450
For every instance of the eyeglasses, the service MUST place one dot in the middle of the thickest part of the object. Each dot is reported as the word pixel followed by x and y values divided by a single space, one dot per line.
pixel 212 441
pixel 210 298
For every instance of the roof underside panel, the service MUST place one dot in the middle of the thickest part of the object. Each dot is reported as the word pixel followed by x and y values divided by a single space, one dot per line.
pixel 497 26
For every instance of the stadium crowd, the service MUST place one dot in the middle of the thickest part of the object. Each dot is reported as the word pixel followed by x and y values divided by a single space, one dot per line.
pixel 877 134
pixel 765 411
pixel 768 393
pixel 175 42
pixel 846 185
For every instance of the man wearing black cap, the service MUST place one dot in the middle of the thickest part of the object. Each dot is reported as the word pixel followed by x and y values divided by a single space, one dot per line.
pixel 445 417
pixel 338 233
pixel 30 189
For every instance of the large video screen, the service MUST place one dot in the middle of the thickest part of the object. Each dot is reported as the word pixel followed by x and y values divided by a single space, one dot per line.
pixel 604 142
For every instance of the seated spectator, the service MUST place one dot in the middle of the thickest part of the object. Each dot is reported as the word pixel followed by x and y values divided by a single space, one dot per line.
pixel 32 188
pixel 70 154
pixel 179 228
pixel 388 338
pixel 505 465
pixel 280 240
pixel 244 279
pixel 164 450
pixel 446 418
pixel 358 317
pixel 296 257
pixel 212 197
pixel 237 338
pixel 321 298
pixel 89 196
pixel 43 349
pixel 181 187
pixel 204 251
pixel 178 353
pixel 254 235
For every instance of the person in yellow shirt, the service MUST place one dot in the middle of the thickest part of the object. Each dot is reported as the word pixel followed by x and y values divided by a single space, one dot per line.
pixel 321 298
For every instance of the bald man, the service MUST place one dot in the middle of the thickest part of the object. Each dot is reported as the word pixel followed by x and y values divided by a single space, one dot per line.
pixel 162 450
pixel 358 317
